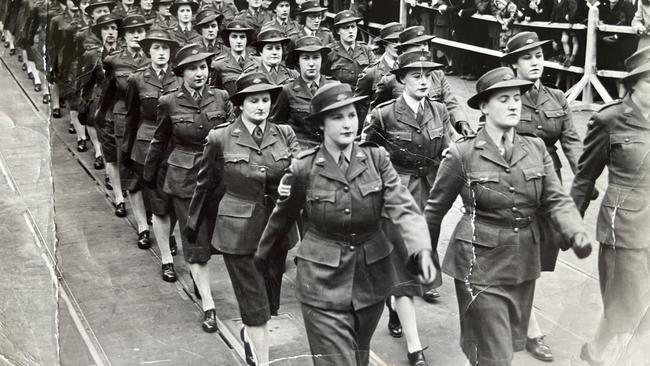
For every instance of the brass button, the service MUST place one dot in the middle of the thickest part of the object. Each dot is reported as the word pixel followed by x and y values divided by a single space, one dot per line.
pixel 347 211
pixel 511 189
pixel 516 229
pixel 200 126
pixel 539 127
pixel 162 91
pixel 419 131
pixel 317 198
pixel 262 169
pixel 507 170
pixel 627 139
pixel 259 152
pixel 515 209
pixel 352 248
pixel 536 110
pixel 419 146
pixel 346 188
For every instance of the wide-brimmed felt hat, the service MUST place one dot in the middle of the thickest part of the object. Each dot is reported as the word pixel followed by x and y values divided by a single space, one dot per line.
pixel 344 17
pixel 97 3
pixel 251 83
pixel 189 54
pixel 637 65
pixel 306 44
pixel 158 2
pixel 238 26
pixel 330 97
pixel 157 35
pixel 178 3
pixel 206 16
pixel 495 79
pixel 275 3
pixel 134 21
pixel 390 32
pixel 270 34
pixel 310 7
pixel 103 20
pixel 414 60
pixel 413 35
pixel 521 42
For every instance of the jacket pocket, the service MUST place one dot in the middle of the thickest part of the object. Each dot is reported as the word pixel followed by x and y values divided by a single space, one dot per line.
pixel 477 233
pixel 180 118
pixel 234 158
pixel 534 181
pixel 377 249
pixel 315 195
pixel 236 208
pixel 371 187
pixel 400 135
pixel 146 132
pixel 321 251
pixel 181 159
pixel 216 117
pixel 624 200
pixel 483 177
pixel 436 132
pixel 281 155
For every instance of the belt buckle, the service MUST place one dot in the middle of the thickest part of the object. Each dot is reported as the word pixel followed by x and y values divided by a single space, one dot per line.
pixel 351 239
pixel 522 222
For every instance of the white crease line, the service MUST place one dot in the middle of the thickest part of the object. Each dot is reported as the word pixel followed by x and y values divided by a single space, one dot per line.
pixel 5 173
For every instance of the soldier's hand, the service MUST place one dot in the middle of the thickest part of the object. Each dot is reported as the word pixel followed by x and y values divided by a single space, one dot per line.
pixel 464 129
pixel 260 263
pixel 190 234
pixel 581 245
pixel 427 269
pixel 594 194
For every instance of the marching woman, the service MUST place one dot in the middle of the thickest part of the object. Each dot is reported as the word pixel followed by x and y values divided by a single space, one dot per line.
pixel 248 158
pixel 344 266
pixel 144 87
pixel 413 129
pixel 270 44
pixel 183 11
pixel 185 116
pixel 235 60
pixel 112 110
pixel 545 113
pixel 505 180
pixel 618 137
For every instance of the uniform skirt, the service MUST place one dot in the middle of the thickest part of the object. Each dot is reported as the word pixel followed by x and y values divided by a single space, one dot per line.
pixel 624 276
pixel 200 250
pixel 250 289
pixel 493 321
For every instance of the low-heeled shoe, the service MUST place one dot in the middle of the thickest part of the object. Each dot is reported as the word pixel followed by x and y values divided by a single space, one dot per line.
pixel 120 210
pixel 431 296
pixel 417 358
pixel 99 163
pixel 144 242
pixel 539 349
pixel 168 273
pixel 209 324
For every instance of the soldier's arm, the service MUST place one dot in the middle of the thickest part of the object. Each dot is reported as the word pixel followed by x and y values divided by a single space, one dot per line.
pixel 208 178
pixel 159 143
pixel 132 100
pixel 569 139
pixel 280 109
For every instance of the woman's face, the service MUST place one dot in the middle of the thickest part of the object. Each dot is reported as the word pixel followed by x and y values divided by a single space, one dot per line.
pixel 282 10
pixel 255 4
pixel 340 126
pixel 184 14
pixel 272 54
pixel 256 107
pixel 348 32
pixel 163 9
pixel 417 83
pixel 312 21
pixel 99 11
pixel 196 74
pixel 132 36
pixel 530 65
pixel 502 109
pixel 210 31
pixel 146 4
pixel 642 86
pixel 109 33
pixel 309 64
pixel 237 41
pixel 159 53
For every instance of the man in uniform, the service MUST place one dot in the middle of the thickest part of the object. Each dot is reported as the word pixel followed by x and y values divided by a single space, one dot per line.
pixel 282 20
pixel 255 16
pixel 184 11
pixel 311 15
pixel 348 56
pixel 230 65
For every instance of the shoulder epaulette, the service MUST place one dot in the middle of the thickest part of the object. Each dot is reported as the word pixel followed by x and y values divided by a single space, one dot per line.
pixel 305 153
pixel 222 125
pixel 170 91
pixel 368 144
pixel 612 103
pixel 386 103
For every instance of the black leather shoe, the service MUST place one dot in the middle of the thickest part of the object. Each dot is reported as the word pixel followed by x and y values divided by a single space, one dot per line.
pixel 81 146
pixel 431 296
pixel 46 99
pixel 30 76
pixel 20 59
pixel 71 129
pixel 417 358
pixel 107 181
pixel 539 349
pixel 168 273
pixel 173 247
pixel 143 240
pixel 56 113
pixel 12 52
pixel 394 325
pixel 99 163
pixel 38 87
pixel 586 356
pixel 248 351
pixel 120 210
pixel 209 321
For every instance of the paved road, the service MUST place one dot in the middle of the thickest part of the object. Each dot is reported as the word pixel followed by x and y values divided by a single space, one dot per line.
pixel 90 297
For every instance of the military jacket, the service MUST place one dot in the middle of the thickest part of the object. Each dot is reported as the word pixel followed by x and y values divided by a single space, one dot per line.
pixel 324 34
pixel 164 23
pixel 142 93
pixel 61 45
pixel 346 67
pixel 256 19
pixel 290 28
pixel 227 70
pixel 343 258
pixel 549 118
pixel 496 242
pixel 123 13
pixel 185 37
pixel 250 175
pixel 367 83
pixel 292 106
pixel 618 137
pixel 283 75
pixel 92 77
pixel 184 123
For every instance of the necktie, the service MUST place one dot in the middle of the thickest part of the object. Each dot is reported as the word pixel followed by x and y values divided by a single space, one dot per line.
pixel 313 88
pixel 241 62
pixel 343 163
pixel 161 75
pixel 506 146
pixel 533 94
pixel 419 116
pixel 258 135
pixel 197 97
pixel 351 51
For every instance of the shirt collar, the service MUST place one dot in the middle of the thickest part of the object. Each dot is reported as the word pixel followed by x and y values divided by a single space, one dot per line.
pixel 537 84
pixel 308 83
pixel 335 152
pixel 412 103
pixel 192 91
pixel 251 126
pixel 158 69
pixel 496 136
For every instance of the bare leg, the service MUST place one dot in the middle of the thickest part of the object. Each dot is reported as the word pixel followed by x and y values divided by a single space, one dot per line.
pixel 161 229
pixel 139 210
pixel 259 341
pixel 81 131
pixel 406 311
pixel 201 275
pixel 114 175
pixel 54 99
pixel 92 134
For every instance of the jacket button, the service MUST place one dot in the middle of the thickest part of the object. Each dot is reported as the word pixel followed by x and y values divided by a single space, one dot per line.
pixel 536 110
pixel 511 189
pixel 627 139
pixel 515 209
pixel 539 127
pixel 419 146
pixel 200 126
pixel 346 188
pixel 259 152
pixel 162 91
pixel 262 169
pixel 507 170
pixel 347 211
pixel 352 248
pixel 419 131
pixel 516 229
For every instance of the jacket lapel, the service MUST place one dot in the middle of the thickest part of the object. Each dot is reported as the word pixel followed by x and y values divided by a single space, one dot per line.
pixel 206 98
pixel 185 99
pixel 270 136
pixel 518 150
pixel 242 136
pixel 489 149
pixel 404 113
pixel 327 167
pixel 543 95
pixel 301 90
pixel 150 77
pixel 357 163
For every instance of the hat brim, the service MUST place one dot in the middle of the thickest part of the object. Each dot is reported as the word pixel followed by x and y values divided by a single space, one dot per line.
pixel 635 74
pixel 417 65
pixel 515 53
pixel 475 100
pixel 312 117
pixel 194 58
pixel 174 8
pixel 292 56
pixel 217 17
pixel 312 10
pixel 260 42
pixel 416 40
pixel 250 35
pixel 89 8
pixel 144 25
pixel 238 97
pixel 96 28
pixel 347 20
pixel 145 43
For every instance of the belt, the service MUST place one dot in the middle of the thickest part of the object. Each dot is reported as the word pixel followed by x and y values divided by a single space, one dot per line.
pixel 417 172
pixel 515 222
pixel 346 239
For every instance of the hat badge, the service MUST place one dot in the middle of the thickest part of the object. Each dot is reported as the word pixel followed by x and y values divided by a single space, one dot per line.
pixel 420 33
pixel 195 51
pixel 423 58
pixel 341 97
pixel 257 81
pixel 507 77
pixel 529 41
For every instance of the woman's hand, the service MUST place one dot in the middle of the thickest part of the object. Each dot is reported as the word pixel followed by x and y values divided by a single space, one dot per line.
pixel 581 245
pixel 427 269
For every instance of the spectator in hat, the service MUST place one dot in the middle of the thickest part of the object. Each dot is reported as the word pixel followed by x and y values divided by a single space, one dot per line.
pixel 344 270
pixel 252 190
pixel 255 16
pixel 164 19
pixel 311 16
pixel 238 60
pixel 270 44
pixel 641 23
pixel 184 11
pixel 292 105
pixel 412 129
pixel 348 56
pixel 282 17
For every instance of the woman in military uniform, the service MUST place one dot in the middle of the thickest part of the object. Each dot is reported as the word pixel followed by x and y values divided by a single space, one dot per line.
pixel 207 24
pixel 144 87
pixel 349 56
pixel 112 109
pixel 344 268
pixel 505 180
pixel 270 44
pixel 164 19
pixel 618 137
pixel 238 59
pixel 183 11
pixel 413 129
pixel 311 16
pixel 185 116
pixel 545 113
pixel 247 158
pixel 282 10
